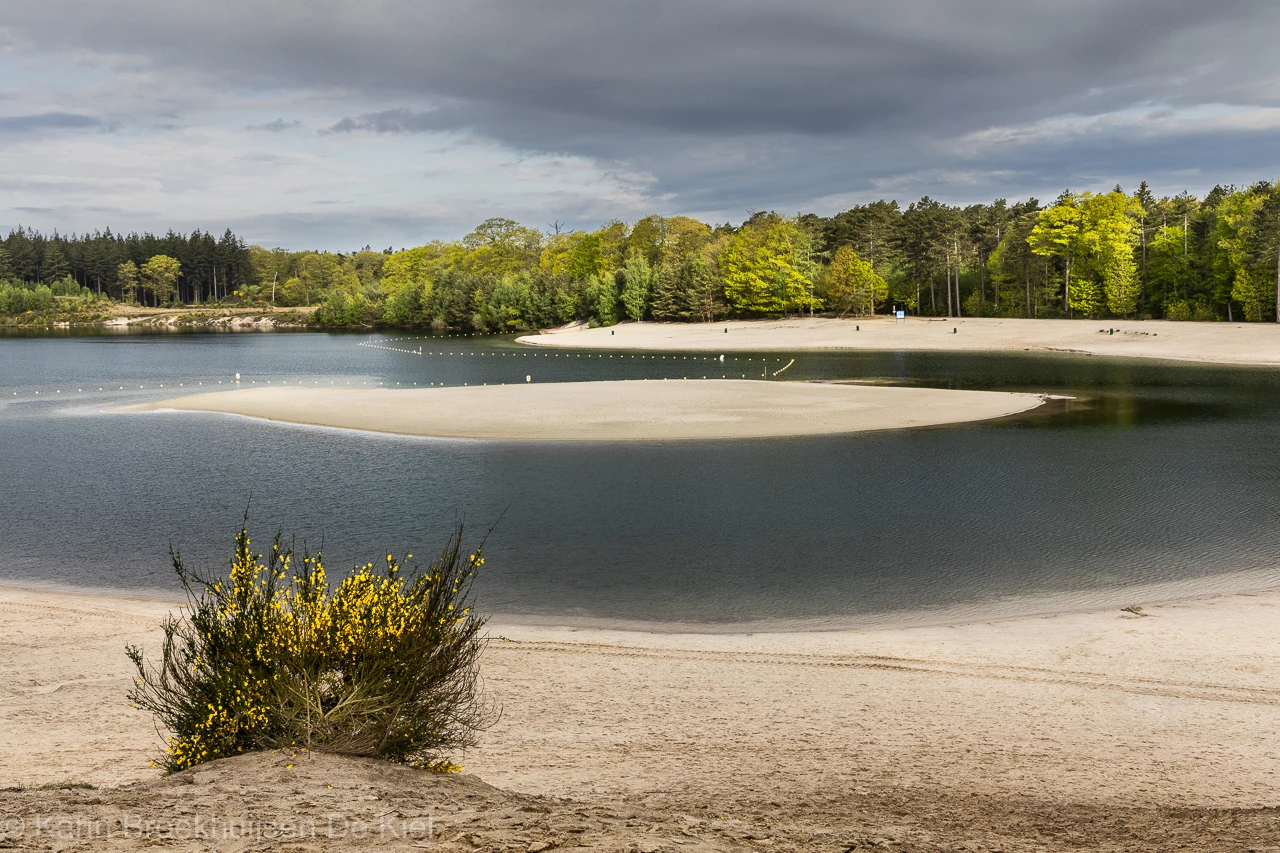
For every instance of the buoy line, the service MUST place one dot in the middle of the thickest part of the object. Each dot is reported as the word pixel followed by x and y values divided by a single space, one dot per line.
pixel 106 387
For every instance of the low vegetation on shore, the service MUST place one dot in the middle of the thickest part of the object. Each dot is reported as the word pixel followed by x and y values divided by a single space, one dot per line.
pixel 383 663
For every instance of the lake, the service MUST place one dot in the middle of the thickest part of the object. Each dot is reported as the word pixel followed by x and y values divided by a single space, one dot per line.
pixel 1158 481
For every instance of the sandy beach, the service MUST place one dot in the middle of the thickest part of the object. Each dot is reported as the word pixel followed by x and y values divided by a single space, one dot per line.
pixel 1220 343
pixel 612 411
pixel 1106 730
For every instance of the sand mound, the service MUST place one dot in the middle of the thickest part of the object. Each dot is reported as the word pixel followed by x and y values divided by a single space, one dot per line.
pixel 313 801
pixel 613 411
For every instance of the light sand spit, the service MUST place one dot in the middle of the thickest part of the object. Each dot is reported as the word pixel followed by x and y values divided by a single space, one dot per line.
pixel 613 411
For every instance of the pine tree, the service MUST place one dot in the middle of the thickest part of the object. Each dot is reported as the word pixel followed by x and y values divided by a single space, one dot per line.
pixel 667 302
pixel 22 255
pixel 54 266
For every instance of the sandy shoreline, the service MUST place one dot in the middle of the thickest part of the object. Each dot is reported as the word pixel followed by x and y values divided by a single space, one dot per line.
pixel 1220 343
pixel 1175 707
pixel 612 411
pixel 1102 730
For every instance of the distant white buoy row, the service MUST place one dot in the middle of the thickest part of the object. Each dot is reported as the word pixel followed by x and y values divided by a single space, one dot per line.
pixel 619 356
pixel 238 380
pixel 171 384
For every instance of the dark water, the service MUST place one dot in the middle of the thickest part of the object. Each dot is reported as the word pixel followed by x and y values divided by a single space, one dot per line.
pixel 1158 480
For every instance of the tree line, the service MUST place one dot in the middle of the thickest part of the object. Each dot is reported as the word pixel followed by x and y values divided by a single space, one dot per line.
pixel 210 268
pixel 1111 254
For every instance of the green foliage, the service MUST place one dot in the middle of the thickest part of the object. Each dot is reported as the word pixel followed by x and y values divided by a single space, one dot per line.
pixel 1093 238
pixel 54 264
pixel 345 309
pixel 211 267
pixel 1106 254
pixel 59 301
pixel 1018 274
pixel 383 663
pixel 1057 234
pixel 127 278
pixel 637 279
pixel 605 291
pixel 585 260
pixel 1235 233
pixel 510 303
pixel 159 276
pixel 687 290
pixel 16 299
pixel 853 285
pixel 406 305
pixel 1110 236
pixel 763 270
pixel 1181 309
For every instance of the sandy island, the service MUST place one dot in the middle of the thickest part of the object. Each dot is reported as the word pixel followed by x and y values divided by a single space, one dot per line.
pixel 1107 730
pixel 1222 343
pixel 596 411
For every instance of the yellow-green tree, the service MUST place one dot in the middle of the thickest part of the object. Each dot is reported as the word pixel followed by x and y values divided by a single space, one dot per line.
pixel 611 243
pixel 127 279
pixel 501 247
pixel 765 270
pixel 410 268
pixel 160 276
pixel 1057 234
pixel 1110 235
pixel 318 273
pixel 853 285
pixel 407 283
pixel 684 238
pixel 556 258
pixel 1234 232
pixel 648 237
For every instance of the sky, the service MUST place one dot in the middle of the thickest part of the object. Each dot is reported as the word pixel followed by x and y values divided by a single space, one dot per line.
pixel 335 125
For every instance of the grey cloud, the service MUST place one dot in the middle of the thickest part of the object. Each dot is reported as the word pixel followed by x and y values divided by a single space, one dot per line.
pixel 397 121
pixel 50 121
pixel 277 126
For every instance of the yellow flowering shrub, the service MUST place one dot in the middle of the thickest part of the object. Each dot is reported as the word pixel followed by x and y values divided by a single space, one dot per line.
pixel 382 663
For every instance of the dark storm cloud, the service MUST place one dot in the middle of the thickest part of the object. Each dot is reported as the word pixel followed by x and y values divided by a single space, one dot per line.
pixel 42 122
pixel 815 67
pixel 721 99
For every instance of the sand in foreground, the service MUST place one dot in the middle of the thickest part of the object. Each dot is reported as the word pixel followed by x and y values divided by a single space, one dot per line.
pixel 1105 730
pixel 597 411
pixel 1222 343
pixel 1175 708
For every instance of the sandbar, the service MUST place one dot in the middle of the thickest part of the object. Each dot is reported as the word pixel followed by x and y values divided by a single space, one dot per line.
pixel 1218 343
pixel 613 411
